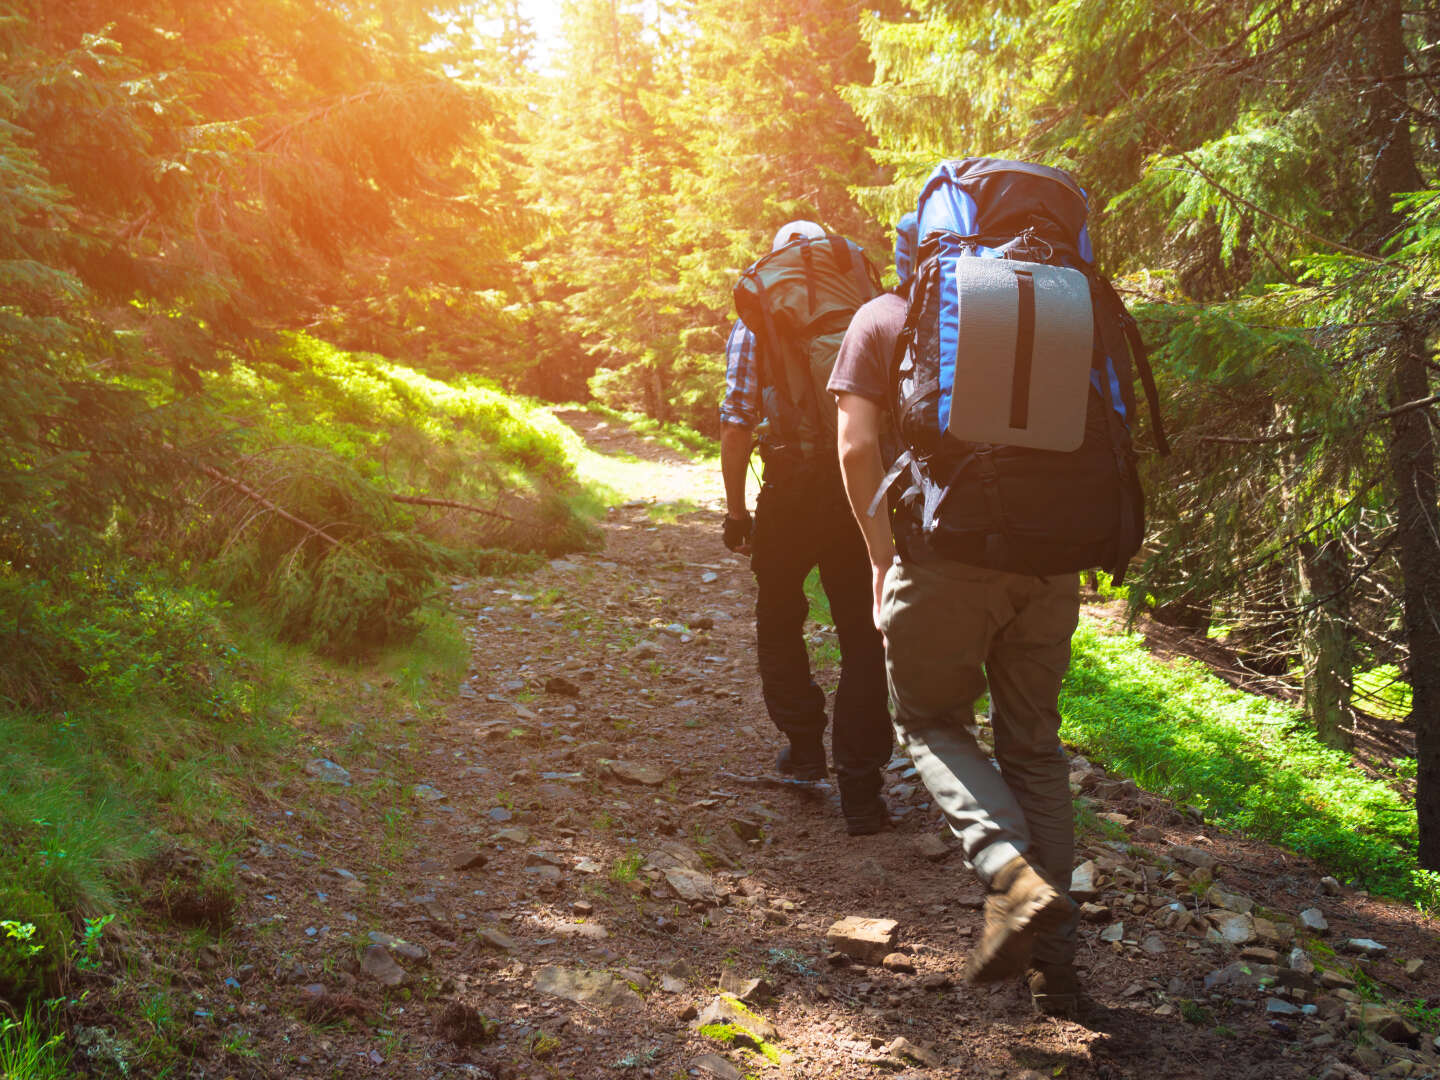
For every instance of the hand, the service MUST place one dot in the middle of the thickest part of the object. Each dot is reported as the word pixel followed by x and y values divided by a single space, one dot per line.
pixel 877 585
pixel 736 534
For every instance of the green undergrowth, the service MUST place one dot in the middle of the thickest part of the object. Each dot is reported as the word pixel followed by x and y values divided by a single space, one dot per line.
pixel 347 484
pixel 1248 762
pixel 139 714
pixel 681 438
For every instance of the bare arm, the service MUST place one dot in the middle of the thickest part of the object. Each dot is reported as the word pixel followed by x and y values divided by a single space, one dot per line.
pixel 735 442
pixel 863 470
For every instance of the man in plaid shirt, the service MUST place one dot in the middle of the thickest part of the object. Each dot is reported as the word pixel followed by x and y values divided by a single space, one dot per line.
pixel 802 520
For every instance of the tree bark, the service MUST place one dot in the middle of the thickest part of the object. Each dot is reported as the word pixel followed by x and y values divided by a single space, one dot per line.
pixel 1325 642
pixel 1410 442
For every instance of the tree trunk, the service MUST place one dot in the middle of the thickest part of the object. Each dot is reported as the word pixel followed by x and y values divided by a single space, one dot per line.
pixel 1325 642
pixel 1410 443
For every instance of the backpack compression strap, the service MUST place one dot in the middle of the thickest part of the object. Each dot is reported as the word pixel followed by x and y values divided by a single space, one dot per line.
pixel 1140 355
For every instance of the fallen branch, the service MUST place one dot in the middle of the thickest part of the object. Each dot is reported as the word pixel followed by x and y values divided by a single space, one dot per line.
pixel 255 496
pixel 423 500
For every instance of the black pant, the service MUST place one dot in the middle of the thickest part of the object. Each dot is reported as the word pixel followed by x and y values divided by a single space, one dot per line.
pixel 801 519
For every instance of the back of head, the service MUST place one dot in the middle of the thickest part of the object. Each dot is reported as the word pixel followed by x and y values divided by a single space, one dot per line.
pixel 799 229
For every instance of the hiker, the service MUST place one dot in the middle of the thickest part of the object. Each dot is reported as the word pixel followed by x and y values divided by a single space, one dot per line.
pixel 801 517
pixel 974 570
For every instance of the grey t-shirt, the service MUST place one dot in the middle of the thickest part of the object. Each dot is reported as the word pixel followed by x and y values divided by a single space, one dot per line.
pixel 863 363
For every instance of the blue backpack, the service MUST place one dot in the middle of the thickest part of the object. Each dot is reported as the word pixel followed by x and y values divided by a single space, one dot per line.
pixel 1011 386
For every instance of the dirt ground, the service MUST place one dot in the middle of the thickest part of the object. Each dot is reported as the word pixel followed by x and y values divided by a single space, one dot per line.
pixel 561 877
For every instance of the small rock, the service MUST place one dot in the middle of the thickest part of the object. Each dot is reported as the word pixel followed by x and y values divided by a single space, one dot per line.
pixel 1232 927
pixel 1230 901
pixel 515 835
pixel 1280 1007
pixel 692 886
pixel 1300 961
pixel 1414 967
pixel 582 908
pixel 377 962
pixel 1083 885
pixel 1384 1021
pixel 750 991
pixel 496 939
pixel 904 1049
pixel 1364 947
pixel 427 793
pixel 898 961
pixel 713 1064
pixel 407 950
pixel 326 770
pixel 866 940
pixel 473 861
pixel 559 684
pixel 1153 944
pixel 1313 919
pixel 1113 932
pixel 936 981
pixel 1193 856
pixel 1094 913
pixel 1259 954
pixel 1329 886
pixel 1336 980
pixel 726 1010
pixel 931 847
pixel 630 773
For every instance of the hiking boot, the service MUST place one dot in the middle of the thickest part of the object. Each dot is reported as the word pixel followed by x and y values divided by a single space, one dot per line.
pixel 864 815
pixel 1019 904
pixel 803 761
pixel 1055 990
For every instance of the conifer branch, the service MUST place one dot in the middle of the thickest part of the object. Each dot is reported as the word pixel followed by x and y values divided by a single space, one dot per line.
pixel 424 500
pixel 255 496
pixel 1304 436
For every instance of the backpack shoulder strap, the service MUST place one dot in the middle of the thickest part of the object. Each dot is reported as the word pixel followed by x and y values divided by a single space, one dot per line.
pixel 1116 307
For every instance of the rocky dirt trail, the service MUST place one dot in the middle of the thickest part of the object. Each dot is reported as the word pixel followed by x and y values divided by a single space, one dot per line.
pixel 585 870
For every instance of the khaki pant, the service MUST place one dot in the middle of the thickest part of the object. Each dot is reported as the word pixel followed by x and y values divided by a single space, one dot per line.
pixel 951 630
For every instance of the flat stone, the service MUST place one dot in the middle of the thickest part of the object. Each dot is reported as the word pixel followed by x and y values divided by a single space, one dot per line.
pixel 715 1065
pixel 326 770
pixel 1275 934
pixel 725 1009
pixel 1193 856
pixel 1230 901
pixel 496 939
pixel 1331 979
pixel 515 834
pixel 406 949
pixel 866 940
pixel 427 793
pixel 1240 976
pixel 906 1050
pixel 597 988
pixel 1364 947
pixel 1259 954
pixel 472 861
pixel 1300 961
pixel 628 772
pixel 559 684
pixel 1313 919
pixel 692 886
pixel 1153 944
pixel 1383 1021
pixel 1233 927
pixel 1414 967
pixel 377 962
pixel 1083 882
pixel 1280 1007
pixel 1113 932
pixel 750 991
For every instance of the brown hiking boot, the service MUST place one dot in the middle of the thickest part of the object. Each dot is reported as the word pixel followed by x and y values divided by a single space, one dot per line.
pixel 1055 990
pixel 1020 903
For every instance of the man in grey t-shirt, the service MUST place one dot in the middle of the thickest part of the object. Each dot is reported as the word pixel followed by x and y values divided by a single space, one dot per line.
pixel 952 632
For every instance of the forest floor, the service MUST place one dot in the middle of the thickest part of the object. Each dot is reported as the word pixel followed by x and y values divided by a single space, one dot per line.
pixel 566 873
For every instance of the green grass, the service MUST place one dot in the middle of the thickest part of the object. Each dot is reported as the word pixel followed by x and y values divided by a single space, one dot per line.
pixel 30 1050
pixel 826 653
pixel 1249 762
pixel 681 438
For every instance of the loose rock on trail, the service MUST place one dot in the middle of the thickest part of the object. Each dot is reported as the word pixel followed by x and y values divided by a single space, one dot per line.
pixel 587 869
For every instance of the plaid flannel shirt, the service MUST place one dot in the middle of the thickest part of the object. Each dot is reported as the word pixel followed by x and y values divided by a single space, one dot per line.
pixel 742 380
